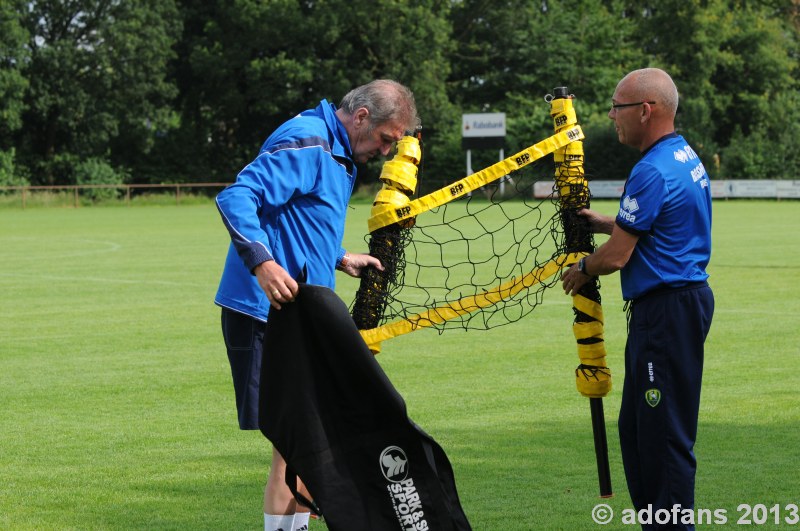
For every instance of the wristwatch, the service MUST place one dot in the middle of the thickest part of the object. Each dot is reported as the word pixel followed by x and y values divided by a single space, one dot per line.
pixel 582 266
pixel 344 261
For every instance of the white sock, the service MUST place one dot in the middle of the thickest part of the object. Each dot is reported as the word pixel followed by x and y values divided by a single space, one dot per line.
pixel 278 522
pixel 300 522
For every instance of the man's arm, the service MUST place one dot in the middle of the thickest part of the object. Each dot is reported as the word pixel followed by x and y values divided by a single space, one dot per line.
pixel 264 186
pixel 600 223
pixel 608 258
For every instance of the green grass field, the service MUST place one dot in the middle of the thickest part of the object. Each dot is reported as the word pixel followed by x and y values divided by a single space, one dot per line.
pixel 118 410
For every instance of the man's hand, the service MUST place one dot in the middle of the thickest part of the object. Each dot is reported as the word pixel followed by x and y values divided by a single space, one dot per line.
pixel 354 264
pixel 599 223
pixel 277 284
pixel 573 280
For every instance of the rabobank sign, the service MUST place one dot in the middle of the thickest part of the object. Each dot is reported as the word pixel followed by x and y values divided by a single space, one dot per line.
pixel 483 125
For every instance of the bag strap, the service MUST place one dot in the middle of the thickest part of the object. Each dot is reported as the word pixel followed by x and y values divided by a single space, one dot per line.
pixel 291 482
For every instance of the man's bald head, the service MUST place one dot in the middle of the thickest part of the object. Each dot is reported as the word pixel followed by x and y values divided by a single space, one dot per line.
pixel 643 107
pixel 652 84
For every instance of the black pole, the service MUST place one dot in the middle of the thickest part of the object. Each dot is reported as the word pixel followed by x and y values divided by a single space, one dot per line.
pixel 601 447
pixel 578 238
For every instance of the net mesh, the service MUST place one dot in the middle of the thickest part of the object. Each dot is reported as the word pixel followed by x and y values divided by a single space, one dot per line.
pixel 464 249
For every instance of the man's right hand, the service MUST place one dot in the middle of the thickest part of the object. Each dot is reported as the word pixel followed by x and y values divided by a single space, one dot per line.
pixel 277 284
pixel 599 223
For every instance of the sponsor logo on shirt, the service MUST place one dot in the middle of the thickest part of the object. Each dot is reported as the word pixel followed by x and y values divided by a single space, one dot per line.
pixel 629 206
pixel 685 155
pixel 698 174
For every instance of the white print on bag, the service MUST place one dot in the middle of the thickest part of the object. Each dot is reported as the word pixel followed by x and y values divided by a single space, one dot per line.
pixel 402 491
pixel 393 463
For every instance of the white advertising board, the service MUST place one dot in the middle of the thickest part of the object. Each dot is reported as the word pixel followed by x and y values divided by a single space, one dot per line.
pixel 483 125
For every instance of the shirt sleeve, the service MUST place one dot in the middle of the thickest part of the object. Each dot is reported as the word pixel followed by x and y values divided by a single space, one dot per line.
pixel 261 189
pixel 340 257
pixel 643 199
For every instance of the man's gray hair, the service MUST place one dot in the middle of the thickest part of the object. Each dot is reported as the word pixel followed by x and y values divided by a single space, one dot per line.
pixel 386 100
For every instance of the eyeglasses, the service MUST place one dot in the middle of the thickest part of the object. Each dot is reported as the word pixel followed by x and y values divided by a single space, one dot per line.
pixel 615 106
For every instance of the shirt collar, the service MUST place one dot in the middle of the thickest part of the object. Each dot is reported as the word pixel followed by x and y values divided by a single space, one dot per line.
pixel 654 144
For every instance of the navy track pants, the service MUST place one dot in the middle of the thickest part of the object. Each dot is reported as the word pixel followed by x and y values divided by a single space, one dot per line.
pixel 661 397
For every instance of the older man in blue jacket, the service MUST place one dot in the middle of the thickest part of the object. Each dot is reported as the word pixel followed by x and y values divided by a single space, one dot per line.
pixel 285 214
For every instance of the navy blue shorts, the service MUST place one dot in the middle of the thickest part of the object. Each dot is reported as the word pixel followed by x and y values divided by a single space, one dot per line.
pixel 244 339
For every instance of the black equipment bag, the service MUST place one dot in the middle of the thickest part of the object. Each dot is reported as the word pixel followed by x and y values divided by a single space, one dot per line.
pixel 330 410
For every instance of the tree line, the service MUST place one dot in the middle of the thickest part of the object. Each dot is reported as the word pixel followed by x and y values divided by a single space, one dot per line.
pixel 171 91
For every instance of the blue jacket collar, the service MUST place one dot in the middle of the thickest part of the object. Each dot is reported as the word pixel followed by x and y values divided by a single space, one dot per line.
pixel 341 142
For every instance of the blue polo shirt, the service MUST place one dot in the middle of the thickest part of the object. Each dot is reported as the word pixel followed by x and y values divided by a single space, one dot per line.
pixel 667 203
pixel 289 205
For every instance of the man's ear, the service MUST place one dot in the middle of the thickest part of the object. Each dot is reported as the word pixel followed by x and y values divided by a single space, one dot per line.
pixel 360 117
pixel 646 113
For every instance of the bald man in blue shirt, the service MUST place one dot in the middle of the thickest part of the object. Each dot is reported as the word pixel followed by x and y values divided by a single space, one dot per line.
pixel 661 244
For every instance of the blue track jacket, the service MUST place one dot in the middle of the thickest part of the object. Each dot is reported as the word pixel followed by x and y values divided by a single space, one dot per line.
pixel 289 205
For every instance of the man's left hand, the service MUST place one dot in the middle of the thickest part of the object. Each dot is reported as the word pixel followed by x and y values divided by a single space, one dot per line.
pixel 573 280
pixel 354 264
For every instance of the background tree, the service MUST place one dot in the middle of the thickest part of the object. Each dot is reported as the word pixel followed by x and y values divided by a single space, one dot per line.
pixel 732 60
pixel 150 91
pixel 97 83
pixel 244 70
pixel 509 57
pixel 13 57
pixel 759 131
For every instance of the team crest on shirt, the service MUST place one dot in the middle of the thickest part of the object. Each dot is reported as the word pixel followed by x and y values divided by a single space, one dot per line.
pixel 653 397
